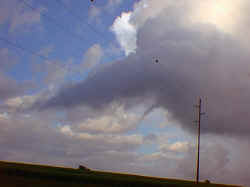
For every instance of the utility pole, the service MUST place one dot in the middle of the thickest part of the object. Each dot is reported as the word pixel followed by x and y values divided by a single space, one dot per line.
pixel 198 140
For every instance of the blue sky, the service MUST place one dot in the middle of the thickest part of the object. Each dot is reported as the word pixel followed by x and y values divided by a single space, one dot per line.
pixel 59 29
pixel 79 85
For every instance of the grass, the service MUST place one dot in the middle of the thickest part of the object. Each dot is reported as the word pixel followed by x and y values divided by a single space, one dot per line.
pixel 20 174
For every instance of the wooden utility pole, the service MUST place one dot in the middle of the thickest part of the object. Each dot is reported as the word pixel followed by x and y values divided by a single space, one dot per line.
pixel 198 122
pixel 198 142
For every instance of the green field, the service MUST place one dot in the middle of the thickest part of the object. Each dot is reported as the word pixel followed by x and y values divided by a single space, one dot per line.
pixel 27 175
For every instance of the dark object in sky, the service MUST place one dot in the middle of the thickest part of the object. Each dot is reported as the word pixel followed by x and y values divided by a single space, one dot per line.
pixel 91 0
pixel 156 60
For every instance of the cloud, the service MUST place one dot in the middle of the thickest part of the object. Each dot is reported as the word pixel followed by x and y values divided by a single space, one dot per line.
pixel 20 103
pixel 57 72
pixel 46 51
pixel 117 142
pixel 36 138
pixel 3 116
pixel 125 33
pixel 126 26
pixel 113 3
pixel 4 13
pixel 18 15
pixel 8 60
pixel 92 57
pixel 9 87
pixel 93 121
pixel 188 55
pixel 117 122
pixel 25 18
pixel 150 138
pixel 176 147
pixel 94 13
pixel 222 160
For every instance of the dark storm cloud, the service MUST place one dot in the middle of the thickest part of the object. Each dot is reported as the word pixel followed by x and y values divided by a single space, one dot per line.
pixel 194 60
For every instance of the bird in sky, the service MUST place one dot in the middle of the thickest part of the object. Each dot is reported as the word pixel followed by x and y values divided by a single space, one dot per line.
pixel 156 60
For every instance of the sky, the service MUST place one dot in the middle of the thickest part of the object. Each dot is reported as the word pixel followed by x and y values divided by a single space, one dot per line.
pixel 79 84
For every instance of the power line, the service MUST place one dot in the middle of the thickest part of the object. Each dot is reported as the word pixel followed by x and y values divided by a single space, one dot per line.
pixel 81 21
pixel 61 27
pixel 76 16
pixel 54 22
pixel 18 46
pixel 23 48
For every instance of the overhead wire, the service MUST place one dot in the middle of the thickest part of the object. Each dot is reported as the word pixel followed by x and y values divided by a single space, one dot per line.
pixel 60 26
pixel 18 46
pixel 55 23
pixel 76 16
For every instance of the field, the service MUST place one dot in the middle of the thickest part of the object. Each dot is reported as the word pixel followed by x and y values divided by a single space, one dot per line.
pixel 27 175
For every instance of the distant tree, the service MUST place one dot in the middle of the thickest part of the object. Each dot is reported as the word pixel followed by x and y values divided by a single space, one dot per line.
pixel 207 181
pixel 83 168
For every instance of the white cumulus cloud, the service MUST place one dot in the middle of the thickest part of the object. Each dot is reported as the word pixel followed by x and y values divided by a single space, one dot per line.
pixel 125 33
